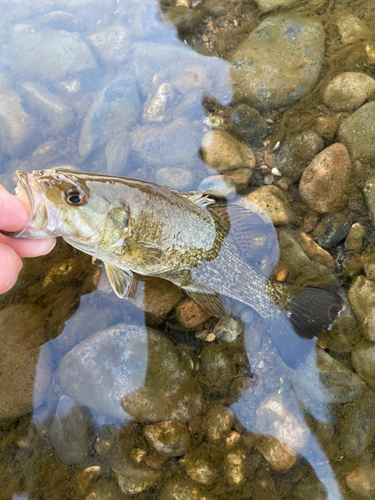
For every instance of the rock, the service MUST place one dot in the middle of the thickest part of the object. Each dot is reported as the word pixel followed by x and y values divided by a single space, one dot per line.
pixel 217 370
pixel 250 124
pixel 190 315
pixel 324 182
pixel 218 422
pixel 60 20
pixel 314 251
pixel 72 431
pixel 105 489
pixel 357 132
pixel 326 126
pixel 274 203
pixel 158 104
pixel 175 178
pixel 268 5
pixel 361 480
pixel 331 230
pixel 218 185
pixel 135 479
pixel 297 152
pixel 114 109
pixel 279 455
pixel 182 489
pixel 235 467
pixel 240 177
pixel 117 360
pixel 363 361
pixel 327 381
pixel 116 153
pixel 279 62
pixel 293 259
pixel 362 298
pixel 17 129
pixel 201 464
pixel 170 438
pixel 221 152
pixel 348 91
pixel 369 192
pixel 49 106
pixel 48 54
pixel 112 44
pixel 354 240
pixel 228 330
pixel 356 425
pixel 351 28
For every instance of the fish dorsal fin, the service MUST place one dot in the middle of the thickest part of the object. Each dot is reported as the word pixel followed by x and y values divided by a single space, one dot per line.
pixel 120 280
pixel 144 254
pixel 201 199
pixel 210 302
pixel 253 233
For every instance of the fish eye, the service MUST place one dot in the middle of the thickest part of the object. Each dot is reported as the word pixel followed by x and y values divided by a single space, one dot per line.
pixel 75 196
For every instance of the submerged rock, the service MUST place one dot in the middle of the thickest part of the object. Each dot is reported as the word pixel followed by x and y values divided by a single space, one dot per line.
pixel 348 91
pixel 250 124
pixel 274 203
pixel 116 153
pixel 357 132
pixel 170 438
pixel 201 464
pixel 279 62
pixel 183 489
pixel 279 455
pixel 112 44
pixel 363 361
pixel 135 479
pixel 175 178
pixel 361 480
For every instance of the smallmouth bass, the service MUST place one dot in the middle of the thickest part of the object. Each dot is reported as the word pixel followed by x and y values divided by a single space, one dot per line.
pixel 215 254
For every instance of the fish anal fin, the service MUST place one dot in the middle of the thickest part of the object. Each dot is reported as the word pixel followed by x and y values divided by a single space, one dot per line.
pixel 121 281
pixel 212 303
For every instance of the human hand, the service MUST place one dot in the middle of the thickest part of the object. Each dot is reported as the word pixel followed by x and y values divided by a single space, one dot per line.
pixel 14 215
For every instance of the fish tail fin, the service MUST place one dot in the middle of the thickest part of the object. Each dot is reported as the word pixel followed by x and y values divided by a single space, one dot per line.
pixel 307 314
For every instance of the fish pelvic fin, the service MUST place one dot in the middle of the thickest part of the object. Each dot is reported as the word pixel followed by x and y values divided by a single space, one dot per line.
pixel 121 281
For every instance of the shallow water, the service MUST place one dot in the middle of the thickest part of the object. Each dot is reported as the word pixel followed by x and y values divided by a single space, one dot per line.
pixel 93 405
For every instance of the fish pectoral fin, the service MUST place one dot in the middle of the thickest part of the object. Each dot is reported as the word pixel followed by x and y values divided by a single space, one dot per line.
pixel 143 254
pixel 212 303
pixel 120 280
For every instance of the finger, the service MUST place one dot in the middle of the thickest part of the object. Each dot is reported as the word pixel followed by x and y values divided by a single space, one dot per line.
pixel 10 266
pixel 14 213
pixel 29 248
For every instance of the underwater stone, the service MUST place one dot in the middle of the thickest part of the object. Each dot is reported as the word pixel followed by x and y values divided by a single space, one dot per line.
pixel 250 124
pixel 228 330
pixel 60 20
pixel 183 489
pixel 361 480
pixel 324 181
pixel 268 5
pixel 116 153
pixel 363 361
pixel 190 315
pixel 331 230
pixel 218 422
pixel 357 132
pixel 235 467
pixel 279 455
pixel 135 479
pixel 175 178
pixel 362 298
pixel 348 91
pixel 112 112
pixel 369 192
pixel 351 28
pixel 201 463
pixel 170 438
pixel 217 369
pixel 220 186
pixel 112 44
pixel 274 202
pixel 279 62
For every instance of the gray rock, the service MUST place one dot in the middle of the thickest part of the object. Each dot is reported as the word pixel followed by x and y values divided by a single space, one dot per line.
pixel 175 178
pixel 107 372
pixel 159 103
pixel 279 62
pixel 48 54
pixel 357 132
pixel 48 105
pixel 356 425
pixel 112 44
pixel 219 186
pixel 363 361
pixel 61 20
pixel 170 438
pixel 250 124
pixel 228 330
pixel 112 112
pixel 17 128
pixel 369 192
pixel 348 91
pixel 116 153
pixel 135 479
pixel 331 230
pixel 72 431
pixel 268 5
pixel 327 381
pixel 217 369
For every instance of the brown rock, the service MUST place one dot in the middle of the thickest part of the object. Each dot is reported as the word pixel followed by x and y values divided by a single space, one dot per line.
pixel 361 480
pixel 190 315
pixel 323 182
pixel 170 438
pixel 274 202
pixel 279 455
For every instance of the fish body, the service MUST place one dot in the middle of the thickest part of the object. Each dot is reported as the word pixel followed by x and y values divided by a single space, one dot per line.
pixel 209 251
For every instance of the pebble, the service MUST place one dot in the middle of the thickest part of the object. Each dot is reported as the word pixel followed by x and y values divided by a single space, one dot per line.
pixel 170 438
pixel 356 132
pixel 354 240
pixel 331 230
pixel 228 330
pixel 220 186
pixel 274 203
pixel 201 464
pixel 48 54
pixel 17 128
pixel 175 178
pixel 269 5
pixel 279 62
pixel 72 431
pixel 326 126
pixel 117 359
pixel 324 181
pixel 190 315
pixel 351 28
pixel 217 370
pixel 235 467
pixel 105 489
pixel 218 422
pixel 135 479
pixel 240 177
pixel 362 300
pixel 356 425
pixel 363 361
pixel 159 103
pixel 117 153
pixel 315 252
pixel 369 192
pixel 348 91
pixel 60 20
pixel 361 480
pixel 222 152
pixel 114 109
pixel 279 455
pixel 183 489
pixel 250 124
pixel 112 44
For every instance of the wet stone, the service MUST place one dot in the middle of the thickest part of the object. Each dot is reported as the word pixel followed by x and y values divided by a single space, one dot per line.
pixel 105 489
pixel 274 202
pixel 112 44
pixel 17 128
pixel 250 124
pixel 362 299
pixel 324 182
pixel 235 467
pixel 114 109
pixel 222 152
pixel 348 91
pixel 182 489
pixel 354 240
pixel 356 425
pixel 116 154
pixel 218 422
pixel 363 361
pixel 135 479
pixel 279 455
pixel 279 62
pixel 331 230
pixel 369 192
pixel 314 251
pixel 201 464
pixel 228 330
pixel 48 54
pixel 351 28
pixel 158 104
pixel 61 20
pixel 72 431
pixel 218 185
pixel 361 480
pixel 170 438
pixel 357 132
pixel 269 5
pixel 241 178
pixel 217 369
pixel 175 178
pixel 190 315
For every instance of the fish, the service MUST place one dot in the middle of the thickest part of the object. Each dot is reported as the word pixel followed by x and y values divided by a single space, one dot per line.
pixel 218 254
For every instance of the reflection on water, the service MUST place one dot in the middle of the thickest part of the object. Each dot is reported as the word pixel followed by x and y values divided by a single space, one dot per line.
pixel 105 399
